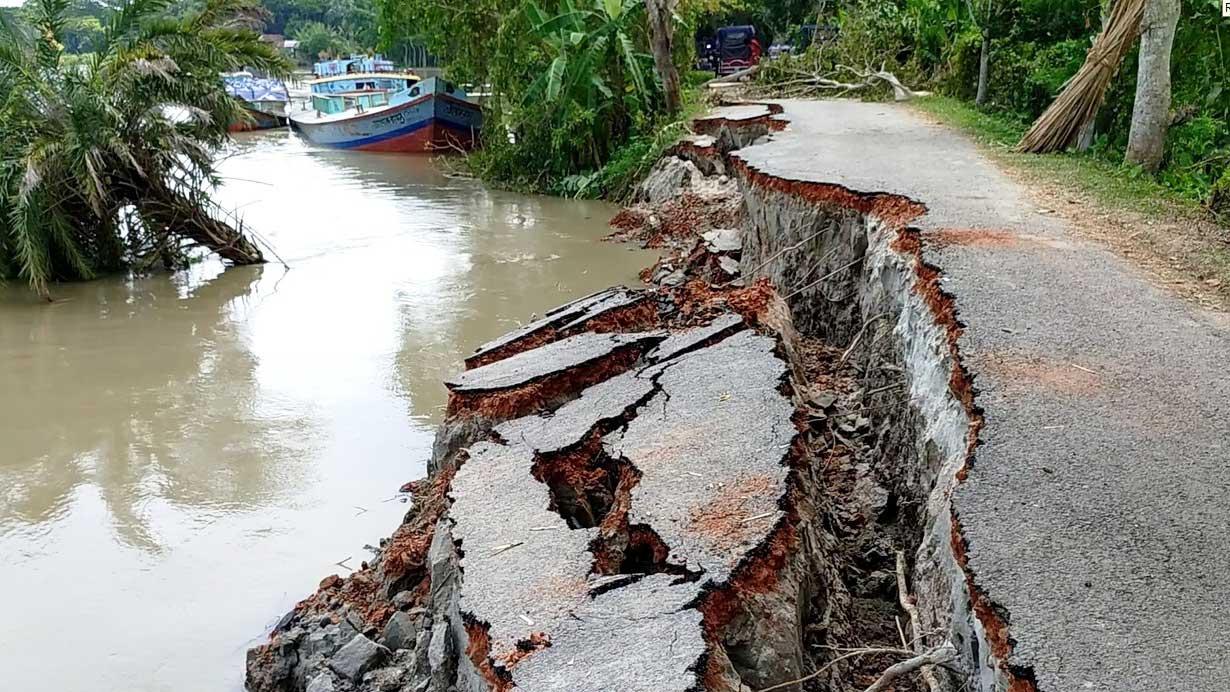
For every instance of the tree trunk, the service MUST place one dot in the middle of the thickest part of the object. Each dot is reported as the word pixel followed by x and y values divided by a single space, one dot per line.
pixel 661 31
pixel 984 69
pixel 1151 111
pixel 179 216
pixel 1059 127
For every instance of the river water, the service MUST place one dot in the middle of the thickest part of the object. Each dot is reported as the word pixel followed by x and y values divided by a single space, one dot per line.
pixel 184 456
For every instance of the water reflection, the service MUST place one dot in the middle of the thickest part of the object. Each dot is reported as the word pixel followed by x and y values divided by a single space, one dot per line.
pixel 185 455
pixel 143 388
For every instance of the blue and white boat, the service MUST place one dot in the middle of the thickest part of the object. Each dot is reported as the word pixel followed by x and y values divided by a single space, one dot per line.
pixel 362 103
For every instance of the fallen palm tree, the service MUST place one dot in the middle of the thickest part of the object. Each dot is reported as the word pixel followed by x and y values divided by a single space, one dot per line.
pixel 1060 126
pixel 106 159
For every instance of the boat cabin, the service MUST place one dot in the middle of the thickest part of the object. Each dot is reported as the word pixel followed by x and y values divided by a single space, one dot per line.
pixel 361 91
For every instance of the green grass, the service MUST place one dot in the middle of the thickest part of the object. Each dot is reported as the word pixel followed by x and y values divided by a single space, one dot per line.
pixel 1106 182
pixel 1138 215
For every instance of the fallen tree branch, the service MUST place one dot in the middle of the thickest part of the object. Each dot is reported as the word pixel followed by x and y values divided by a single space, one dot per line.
pixel 828 81
pixel 937 656
pixel 911 608
pixel 733 76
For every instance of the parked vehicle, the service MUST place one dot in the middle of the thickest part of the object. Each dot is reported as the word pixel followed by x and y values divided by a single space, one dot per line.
pixel 738 48
pixel 707 53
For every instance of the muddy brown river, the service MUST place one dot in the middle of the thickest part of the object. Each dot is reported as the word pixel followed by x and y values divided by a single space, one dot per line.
pixel 184 456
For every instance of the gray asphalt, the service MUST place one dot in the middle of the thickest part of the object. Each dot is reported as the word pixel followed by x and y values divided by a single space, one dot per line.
pixel 555 357
pixel 708 432
pixel 567 316
pixel 1098 508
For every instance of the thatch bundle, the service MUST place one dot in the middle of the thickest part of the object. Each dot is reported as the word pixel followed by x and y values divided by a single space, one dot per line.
pixel 1060 126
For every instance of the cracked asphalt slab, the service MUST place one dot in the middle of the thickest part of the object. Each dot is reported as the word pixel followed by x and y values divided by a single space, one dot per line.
pixel 553 358
pixel 638 638
pixel 1096 509
pixel 526 572
pixel 689 339
pixel 524 568
pixel 570 315
pixel 710 447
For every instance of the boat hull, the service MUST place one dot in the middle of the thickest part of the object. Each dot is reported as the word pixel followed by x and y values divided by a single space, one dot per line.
pixel 258 121
pixel 431 123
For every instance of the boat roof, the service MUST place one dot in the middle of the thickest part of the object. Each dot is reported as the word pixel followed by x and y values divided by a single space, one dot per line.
pixel 367 75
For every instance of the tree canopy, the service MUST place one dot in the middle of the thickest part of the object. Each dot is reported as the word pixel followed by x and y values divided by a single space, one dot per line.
pixel 106 159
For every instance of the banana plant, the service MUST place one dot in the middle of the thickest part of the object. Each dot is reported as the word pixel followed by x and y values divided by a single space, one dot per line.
pixel 594 61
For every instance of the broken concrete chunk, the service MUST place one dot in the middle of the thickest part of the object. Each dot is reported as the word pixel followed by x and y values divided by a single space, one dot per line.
pixel 358 656
pixel 573 421
pixel 323 682
pixel 401 631
pixel 555 357
pixel 690 339
pixel 666 180
pixel 574 314
pixel 723 240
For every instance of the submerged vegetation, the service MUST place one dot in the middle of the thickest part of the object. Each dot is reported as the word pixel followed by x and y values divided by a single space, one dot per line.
pixel 106 158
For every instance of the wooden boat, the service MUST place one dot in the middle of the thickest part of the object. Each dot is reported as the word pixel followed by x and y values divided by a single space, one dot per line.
pixel 368 108
pixel 264 101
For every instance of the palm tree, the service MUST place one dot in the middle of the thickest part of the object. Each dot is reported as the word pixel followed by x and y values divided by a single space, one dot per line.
pixel 106 158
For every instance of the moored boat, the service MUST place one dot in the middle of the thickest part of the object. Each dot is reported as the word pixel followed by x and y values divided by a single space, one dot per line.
pixel 363 104
pixel 264 101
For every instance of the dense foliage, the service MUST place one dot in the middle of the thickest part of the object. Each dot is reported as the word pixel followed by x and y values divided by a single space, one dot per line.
pixel 1036 45
pixel 573 89
pixel 105 158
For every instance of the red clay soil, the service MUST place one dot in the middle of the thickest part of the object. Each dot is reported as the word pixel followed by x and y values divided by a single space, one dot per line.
pixel 479 653
pixel 722 521
pixel 406 552
pixel 699 302
pixel 544 393
pixel 609 546
pixel 759 573
pixel 639 317
pixel 525 647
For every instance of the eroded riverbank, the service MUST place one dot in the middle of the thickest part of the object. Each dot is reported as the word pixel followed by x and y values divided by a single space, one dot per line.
pixel 184 455
pixel 672 489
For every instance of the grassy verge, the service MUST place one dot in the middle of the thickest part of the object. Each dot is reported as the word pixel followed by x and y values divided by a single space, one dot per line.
pixel 1169 235
pixel 1106 182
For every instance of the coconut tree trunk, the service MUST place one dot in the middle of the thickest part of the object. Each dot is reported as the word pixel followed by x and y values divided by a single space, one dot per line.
pixel 984 69
pixel 179 216
pixel 661 32
pixel 1151 111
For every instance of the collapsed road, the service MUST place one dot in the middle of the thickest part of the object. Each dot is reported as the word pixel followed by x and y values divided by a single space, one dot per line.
pixel 805 441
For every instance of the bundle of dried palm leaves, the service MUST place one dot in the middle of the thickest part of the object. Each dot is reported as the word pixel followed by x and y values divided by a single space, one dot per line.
pixel 1060 126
